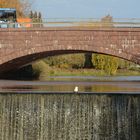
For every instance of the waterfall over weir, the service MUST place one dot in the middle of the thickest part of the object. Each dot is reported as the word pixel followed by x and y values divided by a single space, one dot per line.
pixel 69 117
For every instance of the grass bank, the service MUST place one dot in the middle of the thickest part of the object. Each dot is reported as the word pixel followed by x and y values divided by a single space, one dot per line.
pixel 41 69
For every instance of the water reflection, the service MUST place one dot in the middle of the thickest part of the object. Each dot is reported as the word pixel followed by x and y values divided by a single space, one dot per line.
pixel 67 84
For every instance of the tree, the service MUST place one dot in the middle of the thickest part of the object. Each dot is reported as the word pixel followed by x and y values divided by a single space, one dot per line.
pixel 39 16
pixel 35 15
pixel 99 61
pixel 107 21
pixel 88 60
pixel 66 61
pixel 109 64
pixel 31 14
pixel 36 19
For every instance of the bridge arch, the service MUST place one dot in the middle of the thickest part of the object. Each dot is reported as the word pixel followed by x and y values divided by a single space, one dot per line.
pixel 26 59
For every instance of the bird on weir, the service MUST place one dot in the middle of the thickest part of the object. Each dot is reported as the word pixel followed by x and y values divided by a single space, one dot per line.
pixel 76 89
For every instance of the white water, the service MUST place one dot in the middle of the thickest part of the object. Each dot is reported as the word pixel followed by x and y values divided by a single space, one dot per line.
pixel 69 117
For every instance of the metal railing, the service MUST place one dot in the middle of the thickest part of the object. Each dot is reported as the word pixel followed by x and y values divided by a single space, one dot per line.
pixel 71 22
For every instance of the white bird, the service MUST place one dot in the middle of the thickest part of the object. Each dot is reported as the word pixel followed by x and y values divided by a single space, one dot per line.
pixel 76 89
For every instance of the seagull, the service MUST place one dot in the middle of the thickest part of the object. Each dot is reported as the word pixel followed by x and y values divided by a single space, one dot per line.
pixel 76 89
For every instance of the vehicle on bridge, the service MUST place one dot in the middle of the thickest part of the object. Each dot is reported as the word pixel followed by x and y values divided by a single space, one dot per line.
pixel 8 18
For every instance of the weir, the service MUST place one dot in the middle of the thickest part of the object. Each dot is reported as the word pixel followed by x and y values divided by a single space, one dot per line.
pixel 69 117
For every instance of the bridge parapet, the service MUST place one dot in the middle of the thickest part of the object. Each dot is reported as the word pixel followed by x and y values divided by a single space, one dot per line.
pixel 78 22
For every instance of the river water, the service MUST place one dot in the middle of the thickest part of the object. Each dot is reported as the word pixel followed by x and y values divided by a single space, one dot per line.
pixel 66 84
pixel 105 108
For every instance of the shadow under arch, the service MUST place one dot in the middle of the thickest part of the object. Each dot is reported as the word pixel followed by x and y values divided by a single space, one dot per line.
pixel 19 62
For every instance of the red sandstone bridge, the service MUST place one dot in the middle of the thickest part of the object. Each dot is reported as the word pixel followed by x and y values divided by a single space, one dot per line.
pixel 21 46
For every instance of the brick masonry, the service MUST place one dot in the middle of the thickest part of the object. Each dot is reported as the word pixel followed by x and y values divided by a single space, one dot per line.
pixel 19 47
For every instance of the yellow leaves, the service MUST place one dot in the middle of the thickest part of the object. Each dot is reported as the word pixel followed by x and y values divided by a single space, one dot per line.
pixel 107 63
pixel 9 3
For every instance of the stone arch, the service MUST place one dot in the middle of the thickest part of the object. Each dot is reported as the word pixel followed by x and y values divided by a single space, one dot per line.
pixel 21 61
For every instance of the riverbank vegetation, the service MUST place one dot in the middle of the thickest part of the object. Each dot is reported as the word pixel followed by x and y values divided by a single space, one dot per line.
pixel 73 65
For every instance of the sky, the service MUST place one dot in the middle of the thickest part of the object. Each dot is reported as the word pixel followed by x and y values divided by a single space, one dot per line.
pixel 87 8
